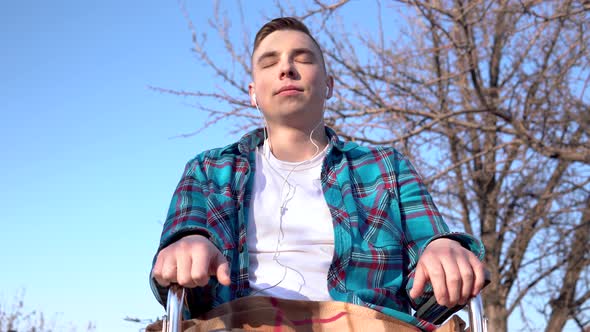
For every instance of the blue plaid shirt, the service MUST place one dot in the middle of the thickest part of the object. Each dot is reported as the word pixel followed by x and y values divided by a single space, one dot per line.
pixel 383 219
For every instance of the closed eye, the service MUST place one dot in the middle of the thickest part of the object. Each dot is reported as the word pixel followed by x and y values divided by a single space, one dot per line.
pixel 305 58
pixel 268 59
pixel 268 64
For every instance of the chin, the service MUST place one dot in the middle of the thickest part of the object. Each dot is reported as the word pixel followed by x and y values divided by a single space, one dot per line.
pixel 298 114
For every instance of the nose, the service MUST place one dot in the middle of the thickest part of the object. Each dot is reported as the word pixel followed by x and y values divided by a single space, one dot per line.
pixel 287 70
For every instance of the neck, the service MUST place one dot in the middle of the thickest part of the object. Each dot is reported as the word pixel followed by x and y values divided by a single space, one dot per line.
pixel 293 144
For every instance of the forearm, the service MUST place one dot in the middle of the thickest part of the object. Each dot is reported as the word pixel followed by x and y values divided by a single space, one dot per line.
pixel 422 224
pixel 186 216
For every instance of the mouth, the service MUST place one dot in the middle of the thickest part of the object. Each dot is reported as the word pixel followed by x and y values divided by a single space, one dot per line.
pixel 289 89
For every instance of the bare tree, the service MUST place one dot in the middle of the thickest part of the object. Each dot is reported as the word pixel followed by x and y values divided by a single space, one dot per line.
pixel 490 99
pixel 16 317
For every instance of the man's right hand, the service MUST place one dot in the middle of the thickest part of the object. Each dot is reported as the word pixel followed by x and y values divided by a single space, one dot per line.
pixel 189 262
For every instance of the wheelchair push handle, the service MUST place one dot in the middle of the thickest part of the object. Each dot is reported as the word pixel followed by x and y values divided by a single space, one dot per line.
pixel 477 319
pixel 173 320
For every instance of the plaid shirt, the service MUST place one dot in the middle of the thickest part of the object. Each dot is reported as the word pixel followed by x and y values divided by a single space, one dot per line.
pixel 383 219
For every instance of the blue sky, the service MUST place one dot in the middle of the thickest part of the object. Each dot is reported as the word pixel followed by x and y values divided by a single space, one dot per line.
pixel 87 166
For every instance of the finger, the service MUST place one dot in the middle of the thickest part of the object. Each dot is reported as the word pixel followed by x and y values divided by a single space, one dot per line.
pixel 452 277
pixel 223 273
pixel 157 272
pixel 183 271
pixel 220 268
pixel 420 279
pixel 467 279
pixel 438 281
pixel 479 272
pixel 200 268
pixel 169 270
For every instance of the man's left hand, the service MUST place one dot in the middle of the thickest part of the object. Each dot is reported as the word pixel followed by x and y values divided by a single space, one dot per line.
pixel 455 273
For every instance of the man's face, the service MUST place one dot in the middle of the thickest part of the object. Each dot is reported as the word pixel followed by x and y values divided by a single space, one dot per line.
pixel 289 79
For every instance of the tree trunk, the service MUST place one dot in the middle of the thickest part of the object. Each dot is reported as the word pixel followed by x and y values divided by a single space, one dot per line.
pixel 563 306
pixel 496 313
pixel 559 316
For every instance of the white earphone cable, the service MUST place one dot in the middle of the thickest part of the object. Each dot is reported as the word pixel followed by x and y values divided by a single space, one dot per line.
pixel 285 200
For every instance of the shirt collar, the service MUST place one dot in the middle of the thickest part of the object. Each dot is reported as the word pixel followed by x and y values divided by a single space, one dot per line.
pixel 254 138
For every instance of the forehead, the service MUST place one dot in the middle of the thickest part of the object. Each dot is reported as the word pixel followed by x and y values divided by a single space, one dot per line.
pixel 285 40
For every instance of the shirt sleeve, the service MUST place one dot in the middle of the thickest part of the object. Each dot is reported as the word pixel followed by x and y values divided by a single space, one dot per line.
pixel 187 215
pixel 422 223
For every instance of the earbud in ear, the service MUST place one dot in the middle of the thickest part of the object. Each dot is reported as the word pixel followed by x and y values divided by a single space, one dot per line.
pixel 254 97
pixel 327 91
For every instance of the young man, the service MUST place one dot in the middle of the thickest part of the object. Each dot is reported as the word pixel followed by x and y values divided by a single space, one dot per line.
pixel 293 212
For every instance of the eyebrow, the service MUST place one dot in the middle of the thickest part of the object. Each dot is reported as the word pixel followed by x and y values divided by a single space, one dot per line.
pixel 296 51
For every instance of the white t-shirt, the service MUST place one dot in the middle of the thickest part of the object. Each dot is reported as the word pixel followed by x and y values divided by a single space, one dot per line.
pixel 290 233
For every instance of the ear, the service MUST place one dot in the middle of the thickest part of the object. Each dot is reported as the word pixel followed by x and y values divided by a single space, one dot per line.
pixel 330 85
pixel 251 93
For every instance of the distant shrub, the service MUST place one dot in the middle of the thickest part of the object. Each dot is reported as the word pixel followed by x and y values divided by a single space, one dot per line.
pixel 15 317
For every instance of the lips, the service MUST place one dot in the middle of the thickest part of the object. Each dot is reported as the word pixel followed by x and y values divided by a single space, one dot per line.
pixel 289 89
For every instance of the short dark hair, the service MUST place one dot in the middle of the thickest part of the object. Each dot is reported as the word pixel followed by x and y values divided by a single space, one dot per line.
pixel 284 23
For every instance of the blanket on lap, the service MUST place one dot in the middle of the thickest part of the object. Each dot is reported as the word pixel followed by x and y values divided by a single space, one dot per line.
pixel 257 313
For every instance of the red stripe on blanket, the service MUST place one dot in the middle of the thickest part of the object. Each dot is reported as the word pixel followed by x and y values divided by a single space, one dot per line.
pixel 279 316
pixel 319 320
